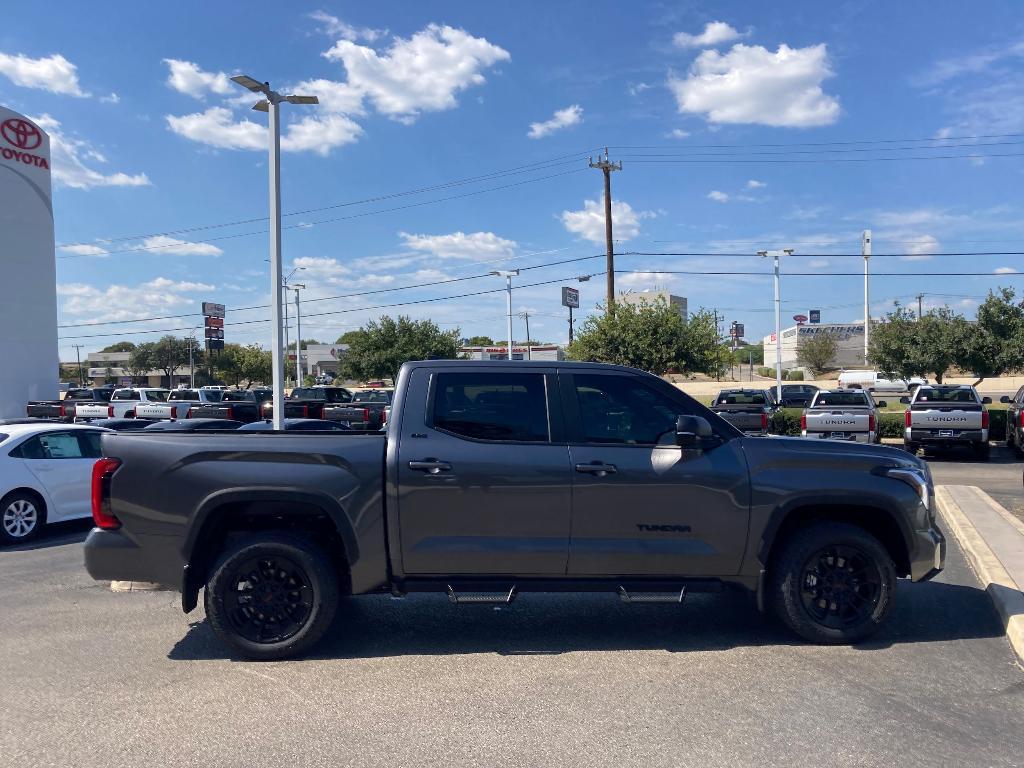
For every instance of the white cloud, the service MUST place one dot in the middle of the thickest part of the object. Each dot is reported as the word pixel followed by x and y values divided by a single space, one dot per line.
pixel 750 84
pixel 755 184
pixel 334 96
pixel 717 196
pixel 68 156
pixel 677 133
pixel 817 263
pixel 83 249
pixel 715 33
pixel 635 89
pixel 123 302
pixel 335 27
pixel 189 78
pixel 589 222
pixel 421 73
pixel 563 118
pixel 217 128
pixel 970 64
pixel 320 134
pixel 645 279
pixel 321 266
pixel 49 73
pixel 113 98
pixel 919 245
pixel 460 245
pixel 1005 271
pixel 162 244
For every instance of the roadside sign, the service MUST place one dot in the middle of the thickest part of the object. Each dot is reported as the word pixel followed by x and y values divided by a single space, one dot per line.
pixel 800 319
pixel 737 330
pixel 215 344
pixel 815 315
pixel 214 333
pixel 214 322
pixel 211 309
pixel 570 298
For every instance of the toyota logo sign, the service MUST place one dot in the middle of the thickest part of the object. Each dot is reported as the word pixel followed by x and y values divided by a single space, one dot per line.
pixel 21 133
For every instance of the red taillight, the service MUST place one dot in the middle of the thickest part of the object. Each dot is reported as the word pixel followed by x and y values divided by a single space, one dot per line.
pixel 1022 418
pixel 102 471
pixel 110 411
pixel 231 412
pixel 764 420
pixel 188 414
pixel 803 422
pixel 984 419
pixel 906 417
pixel 871 422
pixel 63 410
pixel 305 411
pixel 366 415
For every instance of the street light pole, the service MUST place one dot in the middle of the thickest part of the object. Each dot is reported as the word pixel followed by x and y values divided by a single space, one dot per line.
pixel 778 319
pixel 271 104
pixel 865 249
pixel 508 275
pixel 298 335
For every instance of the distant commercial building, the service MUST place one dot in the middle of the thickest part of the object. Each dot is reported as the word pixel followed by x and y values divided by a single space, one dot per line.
pixel 500 352
pixel 318 359
pixel 849 347
pixel 653 295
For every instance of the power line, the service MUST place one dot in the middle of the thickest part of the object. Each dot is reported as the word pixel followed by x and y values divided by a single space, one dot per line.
pixel 834 159
pixel 832 255
pixel 828 143
pixel 824 151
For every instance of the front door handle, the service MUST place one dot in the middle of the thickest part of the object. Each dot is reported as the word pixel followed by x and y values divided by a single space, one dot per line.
pixel 598 468
pixel 431 466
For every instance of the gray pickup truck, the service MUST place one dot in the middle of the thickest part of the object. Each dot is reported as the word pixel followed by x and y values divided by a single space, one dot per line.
pixel 841 414
pixel 946 416
pixel 495 479
pixel 749 410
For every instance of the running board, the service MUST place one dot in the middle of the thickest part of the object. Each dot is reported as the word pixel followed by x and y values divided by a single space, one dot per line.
pixel 467 598
pixel 652 597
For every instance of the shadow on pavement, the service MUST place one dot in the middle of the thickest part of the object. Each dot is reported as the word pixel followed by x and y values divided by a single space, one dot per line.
pixel 957 455
pixel 58 534
pixel 373 627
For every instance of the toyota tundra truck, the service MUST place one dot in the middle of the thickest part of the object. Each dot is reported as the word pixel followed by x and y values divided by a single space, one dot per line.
pixel 749 410
pixel 65 409
pixel 841 415
pixel 178 403
pixel 493 481
pixel 122 404
pixel 940 417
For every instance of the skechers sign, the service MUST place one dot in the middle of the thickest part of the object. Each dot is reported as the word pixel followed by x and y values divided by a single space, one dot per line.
pixel 21 137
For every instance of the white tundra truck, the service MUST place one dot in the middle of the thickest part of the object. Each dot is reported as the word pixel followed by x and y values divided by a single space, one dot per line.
pixel 179 401
pixel 841 415
pixel 944 416
pixel 122 404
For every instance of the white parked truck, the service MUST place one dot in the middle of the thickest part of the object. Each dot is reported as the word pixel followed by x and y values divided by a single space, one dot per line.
pixel 873 381
pixel 945 416
pixel 836 414
pixel 122 404
pixel 179 401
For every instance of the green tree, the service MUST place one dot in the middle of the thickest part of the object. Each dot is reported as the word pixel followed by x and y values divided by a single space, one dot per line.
pixel 381 347
pixel 121 346
pixel 817 351
pixel 169 354
pixel 903 346
pixel 348 337
pixel 651 336
pixel 140 361
pixel 994 344
pixel 480 341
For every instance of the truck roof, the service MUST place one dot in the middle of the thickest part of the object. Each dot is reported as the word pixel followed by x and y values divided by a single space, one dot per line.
pixel 523 364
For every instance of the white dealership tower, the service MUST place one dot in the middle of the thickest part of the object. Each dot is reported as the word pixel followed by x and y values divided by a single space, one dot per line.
pixel 28 296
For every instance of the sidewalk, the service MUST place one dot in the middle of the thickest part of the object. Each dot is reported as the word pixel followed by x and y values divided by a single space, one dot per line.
pixel 993 541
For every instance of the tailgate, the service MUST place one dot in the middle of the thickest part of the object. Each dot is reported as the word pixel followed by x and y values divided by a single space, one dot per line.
pixel 742 418
pixel 347 414
pixel 49 410
pixel 944 418
pixel 154 411
pixel 212 411
pixel 92 411
pixel 837 421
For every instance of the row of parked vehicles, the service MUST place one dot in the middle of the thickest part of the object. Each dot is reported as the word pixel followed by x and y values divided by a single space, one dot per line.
pixel 937 417
pixel 358 408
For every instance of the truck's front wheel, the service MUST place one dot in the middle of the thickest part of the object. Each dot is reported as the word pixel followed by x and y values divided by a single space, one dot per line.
pixel 272 595
pixel 833 583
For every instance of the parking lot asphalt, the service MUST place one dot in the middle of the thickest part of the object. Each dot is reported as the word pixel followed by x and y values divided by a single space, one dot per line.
pixel 1000 477
pixel 94 678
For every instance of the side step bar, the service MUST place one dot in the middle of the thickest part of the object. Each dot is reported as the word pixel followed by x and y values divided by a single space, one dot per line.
pixel 652 597
pixel 467 598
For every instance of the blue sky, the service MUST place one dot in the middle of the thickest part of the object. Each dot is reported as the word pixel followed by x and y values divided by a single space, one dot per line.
pixel 155 149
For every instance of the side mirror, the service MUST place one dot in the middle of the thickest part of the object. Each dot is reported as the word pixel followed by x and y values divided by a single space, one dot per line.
pixel 690 430
pixel 986 400
pixel 880 404
pixel 905 400
pixel 1005 399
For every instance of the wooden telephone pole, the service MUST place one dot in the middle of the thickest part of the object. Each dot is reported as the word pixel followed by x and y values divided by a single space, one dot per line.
pixel 607 167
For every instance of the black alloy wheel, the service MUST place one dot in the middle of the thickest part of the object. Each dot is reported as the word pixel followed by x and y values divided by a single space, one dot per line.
pixel 840 587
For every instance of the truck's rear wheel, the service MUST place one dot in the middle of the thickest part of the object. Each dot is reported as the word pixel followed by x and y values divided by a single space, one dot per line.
pixel 272 595
pixel 833 583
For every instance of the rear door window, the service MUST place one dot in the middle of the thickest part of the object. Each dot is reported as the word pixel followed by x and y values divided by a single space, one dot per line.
pixel 491 406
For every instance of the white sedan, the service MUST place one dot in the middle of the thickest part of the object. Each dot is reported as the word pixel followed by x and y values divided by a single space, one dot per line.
pixel 45 476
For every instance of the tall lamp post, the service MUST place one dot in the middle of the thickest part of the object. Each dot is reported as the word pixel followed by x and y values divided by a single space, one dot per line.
pixel 778 318
pixel 298 334
pixel 271 104
pixel 508 274
pixel 865 250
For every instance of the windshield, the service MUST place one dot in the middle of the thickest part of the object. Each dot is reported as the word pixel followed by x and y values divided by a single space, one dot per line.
pixel 841 398
pixel 372 396
pixel 742 398
pixel 157 395
pixel 238 396
pixel 933 395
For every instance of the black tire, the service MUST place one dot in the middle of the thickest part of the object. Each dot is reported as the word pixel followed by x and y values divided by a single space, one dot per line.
pixel 22 517
pixel 1014 443
pixel 295 610
pixel 910 447
pixel 982 451
pixel 833 583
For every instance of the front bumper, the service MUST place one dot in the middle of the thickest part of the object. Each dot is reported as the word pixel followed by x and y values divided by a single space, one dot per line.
pixel 927 554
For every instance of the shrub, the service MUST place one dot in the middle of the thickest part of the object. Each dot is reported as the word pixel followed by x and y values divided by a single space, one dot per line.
pixel 890 424
pixel 795 376
pixel 766 372
pixel 786 421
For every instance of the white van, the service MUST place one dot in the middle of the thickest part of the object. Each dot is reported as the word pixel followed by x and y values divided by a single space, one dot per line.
pixel 873 381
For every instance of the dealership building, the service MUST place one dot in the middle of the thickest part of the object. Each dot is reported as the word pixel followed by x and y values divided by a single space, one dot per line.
pixel 849 344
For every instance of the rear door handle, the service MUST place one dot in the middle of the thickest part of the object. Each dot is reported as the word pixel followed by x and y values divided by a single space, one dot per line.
pixel 597 468
pixel 431 466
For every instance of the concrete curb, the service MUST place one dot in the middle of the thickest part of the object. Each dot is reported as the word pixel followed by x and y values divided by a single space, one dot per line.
pixel 1006 595
pixel 136 586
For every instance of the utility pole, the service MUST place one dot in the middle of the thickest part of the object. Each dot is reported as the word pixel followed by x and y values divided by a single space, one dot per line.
pixel 526 317
pixel 508 275
pixel 607 167
pixel 920 296
pixel 865 249
pixel 298 335
pixel 778 319
pixel 570 325
pixel 78 358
